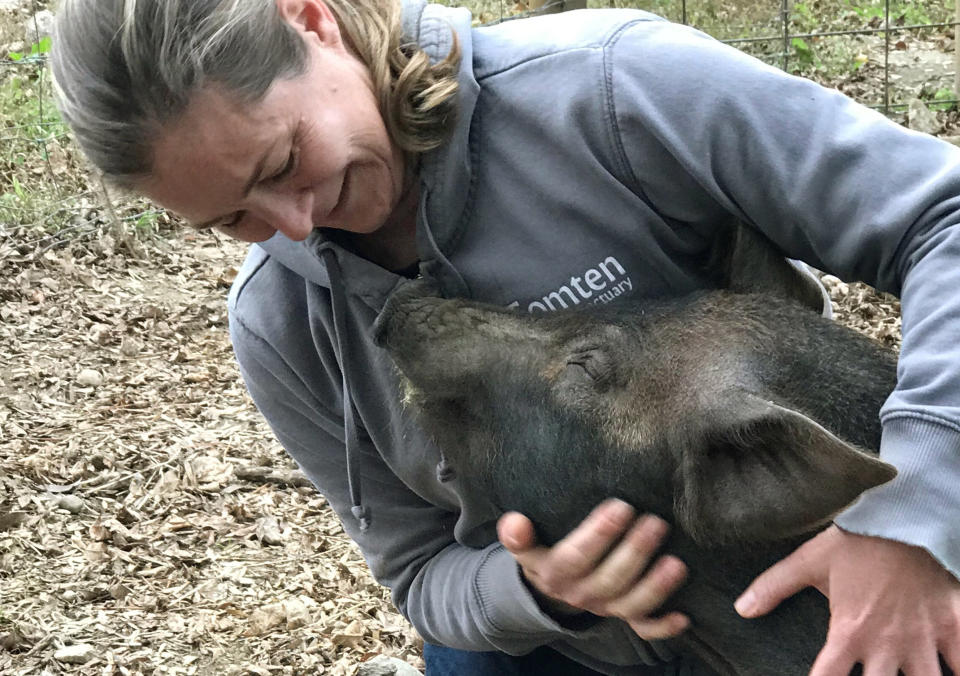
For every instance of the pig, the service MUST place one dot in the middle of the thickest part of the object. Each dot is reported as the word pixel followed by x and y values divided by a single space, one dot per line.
pixel 744 419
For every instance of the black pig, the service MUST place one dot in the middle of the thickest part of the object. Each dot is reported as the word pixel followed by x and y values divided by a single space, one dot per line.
pixel 746 420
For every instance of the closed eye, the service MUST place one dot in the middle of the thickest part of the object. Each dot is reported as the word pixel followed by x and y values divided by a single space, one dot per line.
pixel 289 167
pixel 588 365
pixel 233 222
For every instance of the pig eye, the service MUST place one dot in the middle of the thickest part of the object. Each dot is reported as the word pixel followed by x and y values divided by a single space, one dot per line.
pixel 586 366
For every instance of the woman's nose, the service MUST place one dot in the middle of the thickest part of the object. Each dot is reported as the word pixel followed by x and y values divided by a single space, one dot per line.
pixel 289 212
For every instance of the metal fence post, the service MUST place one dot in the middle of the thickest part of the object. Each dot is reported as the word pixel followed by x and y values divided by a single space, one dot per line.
pixel 956 51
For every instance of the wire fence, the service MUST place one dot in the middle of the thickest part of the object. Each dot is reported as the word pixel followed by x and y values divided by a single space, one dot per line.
pixel 888 22
pixel 42 182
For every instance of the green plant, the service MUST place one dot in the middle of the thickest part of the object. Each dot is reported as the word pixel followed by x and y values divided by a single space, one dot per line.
pixel 147 223
pixel 945 94
pixel 803 53
pixel 38 51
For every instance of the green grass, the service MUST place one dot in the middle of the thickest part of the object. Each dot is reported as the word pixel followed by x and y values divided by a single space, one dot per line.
pixel 45 187
pixel 34 171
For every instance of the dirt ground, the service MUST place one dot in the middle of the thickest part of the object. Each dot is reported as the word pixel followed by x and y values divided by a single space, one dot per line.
pixel 145 511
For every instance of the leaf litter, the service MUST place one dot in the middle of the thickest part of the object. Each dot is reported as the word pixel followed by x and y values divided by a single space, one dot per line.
pixel 149 523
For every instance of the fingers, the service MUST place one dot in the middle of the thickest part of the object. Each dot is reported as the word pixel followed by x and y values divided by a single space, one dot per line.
pixel 835 661
pixel 784 579
pixel 515 532
pixel 648 595
pixel 624 585
pixel 579 553
pixel 923 662
pixel 893 655
pixel 881 667
pixel 617 573
pixel 659 628
pixel 603 566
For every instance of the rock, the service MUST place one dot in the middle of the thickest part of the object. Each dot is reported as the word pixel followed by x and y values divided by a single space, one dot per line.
pixel 381 665
pixel 100 334
pixel 39 26
pixel 71 503
pixel 269 531
pixel 10 4
pixel 130 347
pixel 297 612
pixel 75 654
pixel 922 118
pixel 955 140
pixel 89 378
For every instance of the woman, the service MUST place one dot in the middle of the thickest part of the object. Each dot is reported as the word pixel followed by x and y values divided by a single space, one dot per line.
pixel 360 143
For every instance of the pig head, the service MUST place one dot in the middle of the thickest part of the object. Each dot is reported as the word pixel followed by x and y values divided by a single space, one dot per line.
pixel 746 420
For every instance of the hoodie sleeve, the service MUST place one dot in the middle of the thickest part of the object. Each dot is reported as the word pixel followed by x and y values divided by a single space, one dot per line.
pixel 836 185
pixel 473 599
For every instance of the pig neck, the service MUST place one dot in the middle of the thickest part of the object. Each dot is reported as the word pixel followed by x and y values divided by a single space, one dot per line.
pixel 785 642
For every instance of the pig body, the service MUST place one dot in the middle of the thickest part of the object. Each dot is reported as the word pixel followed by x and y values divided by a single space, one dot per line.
pixel 746 420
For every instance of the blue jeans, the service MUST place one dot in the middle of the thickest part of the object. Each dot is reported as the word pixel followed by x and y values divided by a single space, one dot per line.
pixel 543 661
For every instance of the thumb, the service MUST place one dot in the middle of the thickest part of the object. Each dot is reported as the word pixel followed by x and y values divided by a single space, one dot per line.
pixel 515 532
pixel 781 581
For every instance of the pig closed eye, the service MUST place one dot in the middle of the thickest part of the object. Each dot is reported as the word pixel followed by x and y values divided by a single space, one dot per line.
pixel 587 367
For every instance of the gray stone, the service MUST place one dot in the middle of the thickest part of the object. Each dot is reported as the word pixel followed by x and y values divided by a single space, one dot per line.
pixel 71 503
pixel 922 118
pixel 39 26
pixel 955 140
pixel 89 378
pixel 75 654
pixel 381 665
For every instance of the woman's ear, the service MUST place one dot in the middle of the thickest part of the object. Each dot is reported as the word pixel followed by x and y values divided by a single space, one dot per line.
pixel 311 18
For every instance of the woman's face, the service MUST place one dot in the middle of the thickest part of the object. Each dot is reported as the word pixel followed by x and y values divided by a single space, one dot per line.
pixel 314 152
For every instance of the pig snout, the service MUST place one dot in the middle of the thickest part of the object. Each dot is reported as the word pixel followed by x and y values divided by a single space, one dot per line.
pixel 437 343
pixel 407 308
pixel 415 317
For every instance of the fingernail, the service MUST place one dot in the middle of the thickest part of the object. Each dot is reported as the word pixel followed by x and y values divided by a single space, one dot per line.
pixel 621 510
pixel 746 604
pixel 657 526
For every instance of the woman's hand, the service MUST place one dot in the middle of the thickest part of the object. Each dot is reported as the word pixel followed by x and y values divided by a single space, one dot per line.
pixel 892 606
pixel 603 566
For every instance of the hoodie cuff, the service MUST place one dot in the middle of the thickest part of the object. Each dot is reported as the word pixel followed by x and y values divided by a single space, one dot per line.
pixel 508 604
pixel 921 506
pixel 516 624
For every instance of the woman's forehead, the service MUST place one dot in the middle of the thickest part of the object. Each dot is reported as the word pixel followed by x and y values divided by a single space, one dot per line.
pixel 204 158
pixel 214 119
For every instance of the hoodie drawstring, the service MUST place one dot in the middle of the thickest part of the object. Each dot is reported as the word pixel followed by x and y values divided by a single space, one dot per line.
pixel 351 438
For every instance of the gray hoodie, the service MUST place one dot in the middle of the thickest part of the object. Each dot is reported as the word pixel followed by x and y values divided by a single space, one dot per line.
pixel 600 154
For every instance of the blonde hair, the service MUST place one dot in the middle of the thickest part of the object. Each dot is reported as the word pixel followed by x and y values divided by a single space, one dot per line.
pixel 125 68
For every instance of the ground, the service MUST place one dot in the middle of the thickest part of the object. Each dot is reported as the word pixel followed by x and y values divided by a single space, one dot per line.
pixel 145 510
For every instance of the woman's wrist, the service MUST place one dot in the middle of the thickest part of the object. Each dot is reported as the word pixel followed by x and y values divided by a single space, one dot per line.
pixel 553 607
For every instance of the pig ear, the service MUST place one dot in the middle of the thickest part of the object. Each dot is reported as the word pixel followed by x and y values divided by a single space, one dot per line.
pixel 765 472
